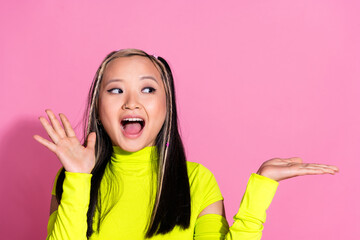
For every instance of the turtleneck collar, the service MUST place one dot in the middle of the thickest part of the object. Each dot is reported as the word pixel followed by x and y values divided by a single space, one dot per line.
pixel 145 155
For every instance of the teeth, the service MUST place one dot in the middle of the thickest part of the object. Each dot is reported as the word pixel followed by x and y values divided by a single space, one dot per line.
pixel 132 119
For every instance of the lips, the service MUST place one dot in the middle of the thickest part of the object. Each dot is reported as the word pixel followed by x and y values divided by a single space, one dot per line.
pixel 132 126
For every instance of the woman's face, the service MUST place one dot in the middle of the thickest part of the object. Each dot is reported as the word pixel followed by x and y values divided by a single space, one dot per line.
pixel 132 90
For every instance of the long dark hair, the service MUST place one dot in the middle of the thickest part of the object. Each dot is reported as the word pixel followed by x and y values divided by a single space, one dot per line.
pixel 172 203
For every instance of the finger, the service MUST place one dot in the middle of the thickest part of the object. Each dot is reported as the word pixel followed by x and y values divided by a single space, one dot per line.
pixel 294 160
pixel 49 129
pixel 55 122
pixel 334 168
pixel 275 162
pixel 317 164
pixel 328 166
pixel 91 140
pixel 311 171
pixel 51 146
pixel 315 170
pixel 67 126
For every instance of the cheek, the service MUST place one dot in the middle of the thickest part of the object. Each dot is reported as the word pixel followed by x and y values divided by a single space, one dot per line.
pixel 162 108
pixel 104 109
pixel 158 109
pixel 107 118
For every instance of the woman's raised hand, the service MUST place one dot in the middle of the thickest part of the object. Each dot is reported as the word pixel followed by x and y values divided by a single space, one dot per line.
pixel 282 168
pixel 71 153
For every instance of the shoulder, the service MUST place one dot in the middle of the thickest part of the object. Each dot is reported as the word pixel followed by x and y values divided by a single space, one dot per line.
pixel 200 177
pixel 197 170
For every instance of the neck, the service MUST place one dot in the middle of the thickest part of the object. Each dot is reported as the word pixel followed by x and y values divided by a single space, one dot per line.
pixel 147 154
pixel 139 163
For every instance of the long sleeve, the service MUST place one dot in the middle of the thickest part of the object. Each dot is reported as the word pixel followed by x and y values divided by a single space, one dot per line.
pixel 70 220
pixel 248 221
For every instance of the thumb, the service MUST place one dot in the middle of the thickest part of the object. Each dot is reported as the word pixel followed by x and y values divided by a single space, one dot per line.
pixel 91 140
pixel 295 159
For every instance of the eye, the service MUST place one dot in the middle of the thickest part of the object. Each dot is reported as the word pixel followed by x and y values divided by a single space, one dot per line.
pixel 149 89
pixel 115 90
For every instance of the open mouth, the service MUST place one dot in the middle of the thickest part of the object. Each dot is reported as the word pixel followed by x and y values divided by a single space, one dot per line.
pixel 132 126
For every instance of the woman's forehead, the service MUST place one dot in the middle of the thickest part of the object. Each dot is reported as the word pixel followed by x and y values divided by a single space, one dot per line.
pixel 130 66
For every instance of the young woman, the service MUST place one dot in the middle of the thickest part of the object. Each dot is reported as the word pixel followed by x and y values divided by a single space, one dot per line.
pixel 130 179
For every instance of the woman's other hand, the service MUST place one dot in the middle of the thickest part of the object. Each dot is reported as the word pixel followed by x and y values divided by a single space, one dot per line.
pixel 71 153
pixel 282 168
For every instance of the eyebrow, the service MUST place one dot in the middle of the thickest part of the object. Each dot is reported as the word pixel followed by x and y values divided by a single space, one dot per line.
pixel 141 78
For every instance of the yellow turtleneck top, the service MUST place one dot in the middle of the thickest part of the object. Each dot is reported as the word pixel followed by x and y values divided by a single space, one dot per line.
pixel 129 175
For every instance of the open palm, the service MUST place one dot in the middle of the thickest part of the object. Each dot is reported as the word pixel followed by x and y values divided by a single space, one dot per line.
pixel 282 168
pixel 71 153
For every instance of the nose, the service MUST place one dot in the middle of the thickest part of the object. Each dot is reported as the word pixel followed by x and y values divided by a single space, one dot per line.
pixel 131 102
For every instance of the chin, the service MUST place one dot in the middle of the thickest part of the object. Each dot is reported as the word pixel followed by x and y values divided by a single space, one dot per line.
pixel 132 147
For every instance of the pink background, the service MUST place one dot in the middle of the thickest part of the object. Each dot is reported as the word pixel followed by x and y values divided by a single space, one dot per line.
pixel 254 79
